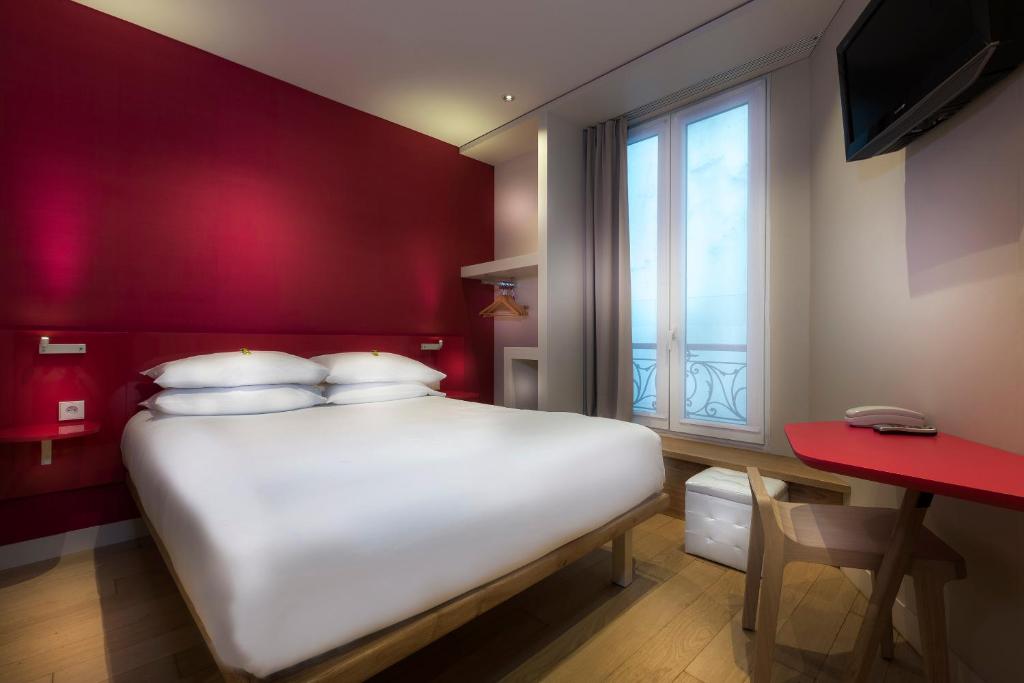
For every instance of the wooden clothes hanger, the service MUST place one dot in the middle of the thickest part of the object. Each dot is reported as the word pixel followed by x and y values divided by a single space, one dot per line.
pixel 505 304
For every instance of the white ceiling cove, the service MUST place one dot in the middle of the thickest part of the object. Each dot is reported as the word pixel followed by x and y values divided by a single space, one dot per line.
pixel 437 66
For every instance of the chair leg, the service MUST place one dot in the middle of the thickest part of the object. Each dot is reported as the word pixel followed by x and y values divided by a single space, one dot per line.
pixel 768 615
pixel 929 584
pixel 755 563
pixel 888 646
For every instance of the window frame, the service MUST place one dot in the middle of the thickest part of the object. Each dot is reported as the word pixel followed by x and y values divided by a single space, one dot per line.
pixel 672 188
pixel 659 127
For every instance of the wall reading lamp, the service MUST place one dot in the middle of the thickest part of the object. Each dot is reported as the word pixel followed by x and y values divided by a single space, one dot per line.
pixel 45 347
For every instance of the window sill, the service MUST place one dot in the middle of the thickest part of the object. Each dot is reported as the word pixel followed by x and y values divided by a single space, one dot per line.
pixel 731 457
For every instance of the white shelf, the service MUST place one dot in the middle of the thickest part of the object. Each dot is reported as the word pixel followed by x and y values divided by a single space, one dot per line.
pixel 511 267
pixel 522 353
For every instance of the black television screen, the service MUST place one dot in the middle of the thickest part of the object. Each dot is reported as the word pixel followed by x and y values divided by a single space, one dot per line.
pixel 904 61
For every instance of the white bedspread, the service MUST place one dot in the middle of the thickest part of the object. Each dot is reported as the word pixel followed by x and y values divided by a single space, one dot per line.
pixel 295 533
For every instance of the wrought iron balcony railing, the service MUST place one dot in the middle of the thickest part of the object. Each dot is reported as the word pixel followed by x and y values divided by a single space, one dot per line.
pixel 645 372
pixel 715 381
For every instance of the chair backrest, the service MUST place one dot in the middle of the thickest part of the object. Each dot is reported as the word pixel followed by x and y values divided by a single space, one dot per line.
pixel 766 506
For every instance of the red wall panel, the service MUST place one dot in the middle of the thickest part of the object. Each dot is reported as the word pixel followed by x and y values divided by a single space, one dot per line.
pixel 83 485
pixel 149 186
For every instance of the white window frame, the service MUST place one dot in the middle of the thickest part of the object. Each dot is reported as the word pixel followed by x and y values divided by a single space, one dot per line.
pixel 672 265
pixel 659 127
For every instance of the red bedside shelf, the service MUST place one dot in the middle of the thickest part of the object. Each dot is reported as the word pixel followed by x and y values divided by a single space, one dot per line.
pixel 46 434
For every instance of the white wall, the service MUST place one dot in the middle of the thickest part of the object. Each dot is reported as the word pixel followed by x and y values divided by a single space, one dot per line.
pixel 515 234
pixel 789 224
pixel 560 200
pixel 515 206
pixel 917 299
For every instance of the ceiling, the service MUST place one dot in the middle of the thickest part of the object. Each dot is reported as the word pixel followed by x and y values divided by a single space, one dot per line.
pixel 747 42
pixel 439 66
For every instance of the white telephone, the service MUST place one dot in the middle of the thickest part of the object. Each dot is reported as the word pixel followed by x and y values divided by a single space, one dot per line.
pixel 868 416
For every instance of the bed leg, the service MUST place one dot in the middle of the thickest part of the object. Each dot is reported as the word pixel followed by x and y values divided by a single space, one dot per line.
pixel 622 559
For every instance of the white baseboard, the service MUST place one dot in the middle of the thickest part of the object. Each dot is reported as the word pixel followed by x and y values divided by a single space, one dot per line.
pixel 904 620
pixel 58 545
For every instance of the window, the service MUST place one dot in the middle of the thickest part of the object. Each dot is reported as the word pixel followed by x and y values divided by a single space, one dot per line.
pixel 697 266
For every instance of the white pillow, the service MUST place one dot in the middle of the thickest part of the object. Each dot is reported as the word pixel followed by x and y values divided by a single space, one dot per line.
pixel 369 366
pixel 235 400
pixel 375 392
pixel 236 369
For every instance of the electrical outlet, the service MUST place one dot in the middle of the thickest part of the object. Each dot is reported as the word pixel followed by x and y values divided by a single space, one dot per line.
pixel 70 410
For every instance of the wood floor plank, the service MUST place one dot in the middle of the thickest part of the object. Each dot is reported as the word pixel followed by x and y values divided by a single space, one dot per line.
pixel 36 598
pixel 195 664
pixel 674 530
pixel 860 604
pixel 114 615
pixel 684 677
pixel 727 656
pixel 491 659
pixel 668 652
pixel 653 523
pixel 79 584
pixel 145 585
pixel 783 674
pixel 129 553
pixel 837 663
pixel 667 563
pixel 906 665
pixel 647 545
pixel 563 643
pixel 103 624
pixel 45 678
pixel 163 670
pixel 603 653
pixel 805 638
pixel 116 663
pixel 475 651
pixel 565 593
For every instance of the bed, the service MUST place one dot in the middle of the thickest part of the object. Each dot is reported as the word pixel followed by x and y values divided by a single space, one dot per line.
pixel 330 542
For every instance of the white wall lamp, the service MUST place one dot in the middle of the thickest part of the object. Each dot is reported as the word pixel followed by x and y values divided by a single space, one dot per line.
pixel 45 347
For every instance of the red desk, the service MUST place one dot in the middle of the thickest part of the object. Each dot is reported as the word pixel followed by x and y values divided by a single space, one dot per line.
pixel 944 464
pixel 46 434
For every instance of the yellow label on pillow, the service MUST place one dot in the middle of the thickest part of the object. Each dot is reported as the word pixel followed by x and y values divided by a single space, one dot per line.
pixel 246 352
pixel 375 352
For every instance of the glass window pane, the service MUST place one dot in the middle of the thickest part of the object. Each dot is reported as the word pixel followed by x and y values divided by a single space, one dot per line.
pixel 642 179
pixel 716 180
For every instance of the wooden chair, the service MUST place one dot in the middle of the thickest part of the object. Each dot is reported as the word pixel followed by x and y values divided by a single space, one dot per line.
pixel 841 536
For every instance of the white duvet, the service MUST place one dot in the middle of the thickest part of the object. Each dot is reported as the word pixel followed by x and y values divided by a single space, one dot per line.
pixel 295 533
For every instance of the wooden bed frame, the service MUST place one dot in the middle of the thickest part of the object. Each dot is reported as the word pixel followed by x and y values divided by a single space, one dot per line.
pixel 371 654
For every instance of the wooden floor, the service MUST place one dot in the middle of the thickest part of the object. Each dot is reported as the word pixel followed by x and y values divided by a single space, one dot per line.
pixel 115 615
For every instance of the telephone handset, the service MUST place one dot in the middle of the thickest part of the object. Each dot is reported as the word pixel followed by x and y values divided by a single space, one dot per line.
pixel 868 416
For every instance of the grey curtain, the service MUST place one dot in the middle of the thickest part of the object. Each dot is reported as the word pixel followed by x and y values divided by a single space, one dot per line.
pixel 609 344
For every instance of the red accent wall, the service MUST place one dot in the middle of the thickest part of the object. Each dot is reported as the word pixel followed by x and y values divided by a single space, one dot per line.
pixel 147 186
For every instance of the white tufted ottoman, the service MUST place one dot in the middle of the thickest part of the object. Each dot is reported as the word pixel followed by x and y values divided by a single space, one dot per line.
pixel 718 507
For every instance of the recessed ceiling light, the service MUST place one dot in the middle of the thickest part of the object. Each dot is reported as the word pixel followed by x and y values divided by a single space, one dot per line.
pixel 508 97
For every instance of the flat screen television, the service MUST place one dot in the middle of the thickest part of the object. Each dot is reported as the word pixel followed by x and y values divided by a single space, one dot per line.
pixel 907 65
